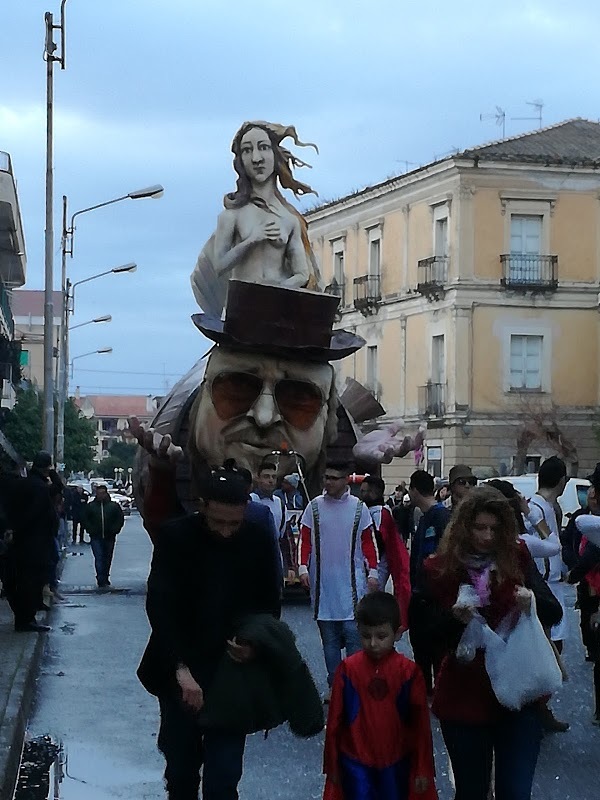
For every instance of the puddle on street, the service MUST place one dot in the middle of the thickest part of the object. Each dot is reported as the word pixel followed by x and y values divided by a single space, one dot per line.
pixel 85 772
pixel 90 774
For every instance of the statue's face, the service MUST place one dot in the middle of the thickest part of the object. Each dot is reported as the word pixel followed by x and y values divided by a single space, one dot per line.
pixel 257 155
pixel 251 405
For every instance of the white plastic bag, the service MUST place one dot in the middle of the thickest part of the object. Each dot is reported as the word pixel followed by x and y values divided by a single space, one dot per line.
pixel 472 639
pixel 521 665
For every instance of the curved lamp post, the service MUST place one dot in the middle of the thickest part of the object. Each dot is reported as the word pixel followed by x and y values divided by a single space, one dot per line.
pixel 100 351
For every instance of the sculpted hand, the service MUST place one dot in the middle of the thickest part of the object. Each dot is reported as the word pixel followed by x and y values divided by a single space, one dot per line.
pixel 164 453
pixel 191 693
pixel 269 231
pixel 381 446
pixel 372 585
pixel 523 598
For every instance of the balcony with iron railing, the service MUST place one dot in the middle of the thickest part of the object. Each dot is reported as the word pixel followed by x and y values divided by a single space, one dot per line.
pixel 337 290
pixel 432 399
pixel 12 243
pixel 367 294
pixel 529 272
pixel 432 274
pixel 8 322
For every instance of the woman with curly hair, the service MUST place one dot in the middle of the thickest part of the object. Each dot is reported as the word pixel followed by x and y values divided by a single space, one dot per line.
pixel 480 552
pixel 260 236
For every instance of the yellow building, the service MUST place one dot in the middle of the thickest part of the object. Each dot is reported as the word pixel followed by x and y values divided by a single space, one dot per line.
pixel 475 282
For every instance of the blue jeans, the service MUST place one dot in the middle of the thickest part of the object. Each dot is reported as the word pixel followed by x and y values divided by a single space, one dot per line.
pixel 515 741
pixel 337 635
pixel 103 554
pixel 187 748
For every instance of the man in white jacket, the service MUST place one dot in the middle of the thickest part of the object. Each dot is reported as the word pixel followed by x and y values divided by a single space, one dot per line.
pixel 552 479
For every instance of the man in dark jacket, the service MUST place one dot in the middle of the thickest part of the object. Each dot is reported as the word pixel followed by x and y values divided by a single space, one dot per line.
pixel 34 521
pixel 425 541
pixel 103 519
pixel 209 570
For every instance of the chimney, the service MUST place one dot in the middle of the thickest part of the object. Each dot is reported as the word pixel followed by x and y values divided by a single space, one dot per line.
pixel 77 393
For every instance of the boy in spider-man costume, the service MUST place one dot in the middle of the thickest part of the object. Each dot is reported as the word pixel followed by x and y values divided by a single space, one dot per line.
pixel 378 744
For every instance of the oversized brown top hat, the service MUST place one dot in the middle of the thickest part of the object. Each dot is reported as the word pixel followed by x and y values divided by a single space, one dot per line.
pixel 272 320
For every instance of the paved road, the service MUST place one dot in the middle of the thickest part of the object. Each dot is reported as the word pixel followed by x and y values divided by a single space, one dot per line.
pixel 89 697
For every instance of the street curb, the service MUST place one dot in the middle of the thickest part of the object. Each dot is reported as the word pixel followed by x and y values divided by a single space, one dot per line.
pixel 18 708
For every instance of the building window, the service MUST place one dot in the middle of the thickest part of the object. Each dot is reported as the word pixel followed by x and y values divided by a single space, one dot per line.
pixel 532 464
pixel 438 360
pixel 440 234
pixel 24 358
pixel 372 377
pixel 525 246
pixel 434 461
pixel 375 258
pixel 526 362
pixel 338 268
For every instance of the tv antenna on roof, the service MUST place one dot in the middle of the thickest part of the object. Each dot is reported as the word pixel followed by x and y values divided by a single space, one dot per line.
pixel 499 116
pixel 406 163
pixel 538 105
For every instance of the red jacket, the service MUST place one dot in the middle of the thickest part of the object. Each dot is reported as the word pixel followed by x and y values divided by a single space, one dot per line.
pixel 378 722
pixel 398 562
pixel 463 692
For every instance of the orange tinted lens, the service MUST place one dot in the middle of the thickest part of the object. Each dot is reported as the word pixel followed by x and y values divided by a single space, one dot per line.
pixel 299 402
pixel 234 393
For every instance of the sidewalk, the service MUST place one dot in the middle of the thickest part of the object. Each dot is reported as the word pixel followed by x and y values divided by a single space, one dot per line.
pixel 20 659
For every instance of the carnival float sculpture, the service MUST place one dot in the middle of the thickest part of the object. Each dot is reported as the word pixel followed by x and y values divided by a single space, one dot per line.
pixel 267 388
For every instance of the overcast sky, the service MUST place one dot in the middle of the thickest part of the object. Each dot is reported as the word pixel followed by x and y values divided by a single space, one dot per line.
pixel 154 91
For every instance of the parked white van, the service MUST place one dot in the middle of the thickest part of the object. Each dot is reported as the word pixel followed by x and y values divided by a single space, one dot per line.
pixel 573 497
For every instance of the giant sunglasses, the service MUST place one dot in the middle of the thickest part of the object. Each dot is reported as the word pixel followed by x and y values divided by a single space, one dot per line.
pixel 234 393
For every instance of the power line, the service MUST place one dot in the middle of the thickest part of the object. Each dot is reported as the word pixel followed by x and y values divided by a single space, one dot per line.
pixel 139 389
pixel 128 372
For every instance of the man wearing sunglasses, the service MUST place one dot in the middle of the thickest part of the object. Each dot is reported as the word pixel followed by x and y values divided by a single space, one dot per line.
pixel 337 539
pixel 460 480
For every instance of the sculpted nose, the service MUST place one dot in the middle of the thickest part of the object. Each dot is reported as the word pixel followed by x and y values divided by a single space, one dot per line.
pixel 264 411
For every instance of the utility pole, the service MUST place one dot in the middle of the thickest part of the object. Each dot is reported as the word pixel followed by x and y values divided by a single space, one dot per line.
pixel 50 58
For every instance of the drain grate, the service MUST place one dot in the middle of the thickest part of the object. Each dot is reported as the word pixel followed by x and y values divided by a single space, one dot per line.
pixel 40 770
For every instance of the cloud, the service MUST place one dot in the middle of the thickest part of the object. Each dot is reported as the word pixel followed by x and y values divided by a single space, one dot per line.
pixel 154 94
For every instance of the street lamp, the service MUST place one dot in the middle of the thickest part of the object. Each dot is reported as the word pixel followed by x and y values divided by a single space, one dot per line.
pixel 153 192
pixel 105 318
pixel 68 235
pixel 70 287
pixel 100 351
pixel 63 374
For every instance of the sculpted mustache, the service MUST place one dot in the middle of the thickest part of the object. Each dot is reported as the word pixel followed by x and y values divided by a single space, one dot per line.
pixel 251 434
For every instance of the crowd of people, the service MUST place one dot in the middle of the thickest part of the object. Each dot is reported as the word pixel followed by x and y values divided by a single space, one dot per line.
pixel 446 566
pixel 38 514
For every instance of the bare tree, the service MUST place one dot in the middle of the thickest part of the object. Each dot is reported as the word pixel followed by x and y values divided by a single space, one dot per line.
pixel 541 424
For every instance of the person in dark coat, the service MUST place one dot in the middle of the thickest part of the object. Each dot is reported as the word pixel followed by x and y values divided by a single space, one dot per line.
pixel 103 520
pixel 209 571
pixel 34 521
pixel 78 501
